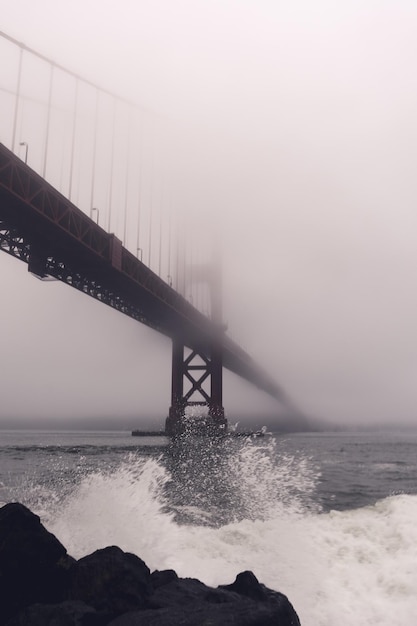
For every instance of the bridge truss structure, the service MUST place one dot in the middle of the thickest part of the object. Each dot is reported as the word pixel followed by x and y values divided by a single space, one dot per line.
pixel 42 224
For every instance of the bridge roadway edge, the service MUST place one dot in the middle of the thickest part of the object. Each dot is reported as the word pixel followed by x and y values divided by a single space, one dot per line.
pixel 39 226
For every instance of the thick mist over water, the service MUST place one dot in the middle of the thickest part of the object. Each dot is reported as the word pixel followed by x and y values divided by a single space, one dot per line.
pixel 293 131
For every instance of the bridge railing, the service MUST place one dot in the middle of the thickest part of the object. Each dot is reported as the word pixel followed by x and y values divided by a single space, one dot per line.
pixel 113 159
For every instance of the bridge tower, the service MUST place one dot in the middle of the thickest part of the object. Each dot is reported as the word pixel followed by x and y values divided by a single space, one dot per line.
pixel 197 374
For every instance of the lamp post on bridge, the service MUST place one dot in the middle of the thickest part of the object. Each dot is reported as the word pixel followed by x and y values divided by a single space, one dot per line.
pixel 26 145
pixel 98 213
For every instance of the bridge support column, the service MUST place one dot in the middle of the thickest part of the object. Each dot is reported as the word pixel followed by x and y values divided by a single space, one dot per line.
pixel 197 379
pixel 195 369
pixel 173 422
pixel 216 410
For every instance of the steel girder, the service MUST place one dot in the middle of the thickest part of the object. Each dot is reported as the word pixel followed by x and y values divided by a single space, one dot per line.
pixel 40 226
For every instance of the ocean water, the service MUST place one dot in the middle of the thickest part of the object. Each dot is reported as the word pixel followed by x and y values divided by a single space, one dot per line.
pixel 328 519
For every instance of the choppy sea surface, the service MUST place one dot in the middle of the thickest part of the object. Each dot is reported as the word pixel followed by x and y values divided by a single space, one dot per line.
pixel 330 519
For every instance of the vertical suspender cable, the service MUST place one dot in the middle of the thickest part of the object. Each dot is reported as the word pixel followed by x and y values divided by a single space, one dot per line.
pixel 177 257
pixel 178 272
pixel 129 117
pixel 160 242
pixel 22 115
pixel 182 258
pixel 48 119
pixel 151 199
pixel 190 270
pixel 169 277
pixel 199 277
pixel 61 177
pixel 160 229
pixel 16 106
pixel 150 226
pixel 112 164
pixel 93 167
pixel 74 130
pixel 139 191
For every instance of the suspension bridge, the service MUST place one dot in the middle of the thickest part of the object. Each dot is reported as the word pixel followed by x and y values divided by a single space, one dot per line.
pixel 88 196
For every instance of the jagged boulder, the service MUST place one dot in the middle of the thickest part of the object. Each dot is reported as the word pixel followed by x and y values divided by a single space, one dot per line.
pixel 111 580
pixel 189 602
pixel 163 578
pixel 33 564
pixel 67 613
pixel 247 585
pixel 40 585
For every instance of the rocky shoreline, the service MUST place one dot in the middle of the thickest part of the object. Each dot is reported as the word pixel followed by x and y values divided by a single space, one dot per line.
pixel 42 585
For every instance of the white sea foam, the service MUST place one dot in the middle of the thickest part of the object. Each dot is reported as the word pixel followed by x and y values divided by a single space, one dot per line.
pixel 347 568
pixel 272 484
pixel 124 508
pixel 370 559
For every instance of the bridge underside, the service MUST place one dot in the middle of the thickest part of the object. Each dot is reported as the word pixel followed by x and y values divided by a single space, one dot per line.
pixel 42 228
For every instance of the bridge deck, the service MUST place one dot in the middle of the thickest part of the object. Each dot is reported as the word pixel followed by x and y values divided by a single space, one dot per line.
pixel 40 226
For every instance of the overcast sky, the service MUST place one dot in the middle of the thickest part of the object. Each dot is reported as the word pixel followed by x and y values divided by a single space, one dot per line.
pixel 300 117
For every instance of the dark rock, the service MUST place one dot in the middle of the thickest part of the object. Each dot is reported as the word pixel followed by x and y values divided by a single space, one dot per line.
pixel 246 584
pixel 40 585
pixel 33 563
pixel 69 613
pixel 243 613
pixel 111 580
pixel 183 591
pixel 179 593
pixel 25 540
pixel 218 596
pixel 188 602
pixel 163 578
